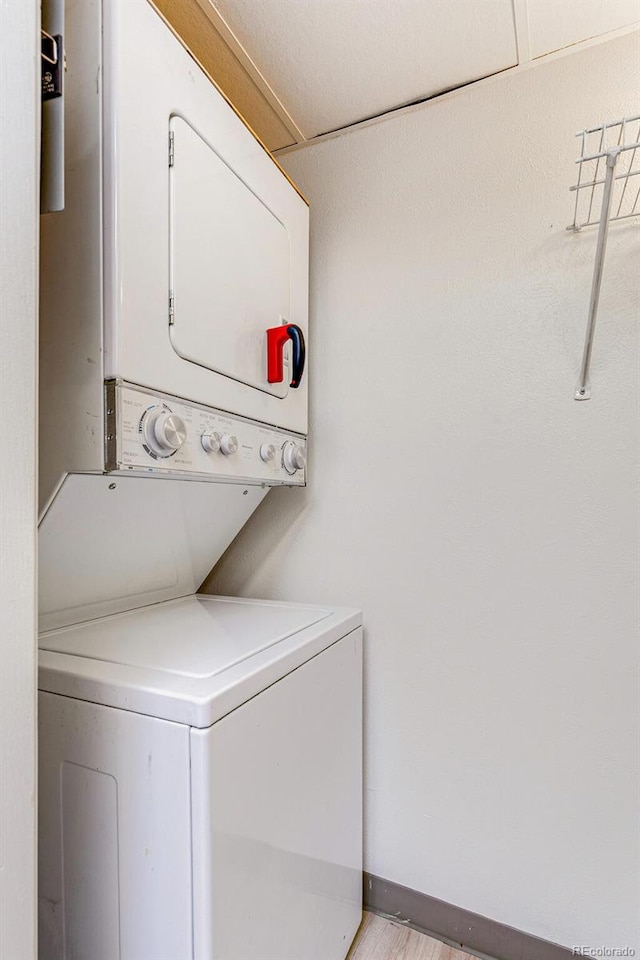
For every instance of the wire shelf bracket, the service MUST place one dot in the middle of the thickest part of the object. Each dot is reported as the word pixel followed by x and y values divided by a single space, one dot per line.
pixel 616 146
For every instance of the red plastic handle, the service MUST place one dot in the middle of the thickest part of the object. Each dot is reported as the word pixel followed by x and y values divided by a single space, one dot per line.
pixel 276 339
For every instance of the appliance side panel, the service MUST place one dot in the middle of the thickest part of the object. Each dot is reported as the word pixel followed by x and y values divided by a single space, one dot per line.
pixel 279 875
pixel 71 364
pixel 114 844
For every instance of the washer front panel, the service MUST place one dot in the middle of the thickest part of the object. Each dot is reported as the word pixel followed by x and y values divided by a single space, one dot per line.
pixel 129 408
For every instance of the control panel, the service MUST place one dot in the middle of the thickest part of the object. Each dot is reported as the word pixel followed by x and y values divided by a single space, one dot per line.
pixel 153 432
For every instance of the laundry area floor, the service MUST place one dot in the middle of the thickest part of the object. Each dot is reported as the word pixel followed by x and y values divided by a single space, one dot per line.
pixel 382 939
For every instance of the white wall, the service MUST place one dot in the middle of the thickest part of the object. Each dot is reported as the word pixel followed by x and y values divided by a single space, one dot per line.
pixel 19 128
pixel 485 521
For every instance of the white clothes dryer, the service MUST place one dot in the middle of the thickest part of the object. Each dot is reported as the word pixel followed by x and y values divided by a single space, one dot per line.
pixel 178 264
pixel 200 783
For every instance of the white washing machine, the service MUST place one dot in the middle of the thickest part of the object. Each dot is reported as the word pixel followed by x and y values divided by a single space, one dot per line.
pixel 200 783
pixel 200 759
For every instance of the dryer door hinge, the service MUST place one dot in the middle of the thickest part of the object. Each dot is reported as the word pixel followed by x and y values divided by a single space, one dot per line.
pixel 171 149
pixel 171 309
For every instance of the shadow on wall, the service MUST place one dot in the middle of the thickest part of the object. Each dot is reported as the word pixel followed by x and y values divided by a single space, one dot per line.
pixel 258 540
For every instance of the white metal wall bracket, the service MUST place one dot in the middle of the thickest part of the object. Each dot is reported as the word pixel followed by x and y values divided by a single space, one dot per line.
pixel 583 390
pixel 625 207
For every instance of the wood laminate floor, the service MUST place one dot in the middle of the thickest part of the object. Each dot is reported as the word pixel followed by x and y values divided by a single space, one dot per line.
pixel 382 939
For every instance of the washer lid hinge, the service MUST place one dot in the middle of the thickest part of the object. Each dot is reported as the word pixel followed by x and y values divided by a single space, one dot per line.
pixel 172 311
pixel 171 148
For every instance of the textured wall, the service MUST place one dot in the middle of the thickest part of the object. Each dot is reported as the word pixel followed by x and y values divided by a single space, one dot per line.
pixel 19 157
pixel 486 522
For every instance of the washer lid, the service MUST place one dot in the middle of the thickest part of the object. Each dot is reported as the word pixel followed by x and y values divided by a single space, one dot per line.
pixel 190 660
pixel 198 637
pixel 111 543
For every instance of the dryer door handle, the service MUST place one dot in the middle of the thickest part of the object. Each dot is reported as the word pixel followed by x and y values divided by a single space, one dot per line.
pixel 299 354
pixel 276 339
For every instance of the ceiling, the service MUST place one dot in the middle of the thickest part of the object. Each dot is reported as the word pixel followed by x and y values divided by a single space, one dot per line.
pixel 326 64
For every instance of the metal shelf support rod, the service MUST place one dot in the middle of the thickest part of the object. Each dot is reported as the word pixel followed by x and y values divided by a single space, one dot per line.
pixel 597 183
pixel 583 390
pixel 605 153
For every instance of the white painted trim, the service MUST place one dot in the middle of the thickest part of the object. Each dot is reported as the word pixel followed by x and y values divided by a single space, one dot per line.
pixel 241 54
pixel 494 78
pixel 19 202
pixel 521 25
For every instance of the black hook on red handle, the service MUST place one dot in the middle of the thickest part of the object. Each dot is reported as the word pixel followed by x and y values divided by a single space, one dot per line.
pixel 276 339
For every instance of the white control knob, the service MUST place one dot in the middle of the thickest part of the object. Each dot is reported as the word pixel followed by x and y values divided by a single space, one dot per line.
pixel 210 442
pixel 293 457
pixel 164 432
pixel 267 452
pixel 228 444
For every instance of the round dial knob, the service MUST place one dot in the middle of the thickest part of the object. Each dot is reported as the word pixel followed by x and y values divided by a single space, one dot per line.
pixel 164 432
pixel 267 452
pixel 228 444
pixel 293 457
pixel 210 442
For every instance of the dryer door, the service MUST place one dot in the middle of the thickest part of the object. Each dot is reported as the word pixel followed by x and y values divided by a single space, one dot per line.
pixel 230 270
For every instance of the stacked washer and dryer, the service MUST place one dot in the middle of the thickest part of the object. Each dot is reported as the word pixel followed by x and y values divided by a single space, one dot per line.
pixel 200 757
